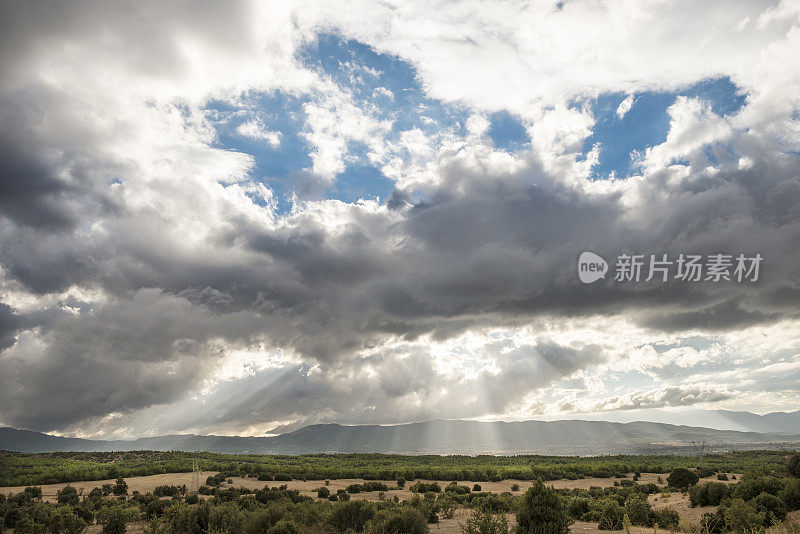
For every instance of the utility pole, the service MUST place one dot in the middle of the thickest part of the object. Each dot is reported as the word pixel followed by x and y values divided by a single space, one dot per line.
pixel 194 487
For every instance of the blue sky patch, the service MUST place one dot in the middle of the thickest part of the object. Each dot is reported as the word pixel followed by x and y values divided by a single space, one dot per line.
pixel 646 124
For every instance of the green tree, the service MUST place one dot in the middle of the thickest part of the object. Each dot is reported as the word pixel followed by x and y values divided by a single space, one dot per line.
pixel 542 512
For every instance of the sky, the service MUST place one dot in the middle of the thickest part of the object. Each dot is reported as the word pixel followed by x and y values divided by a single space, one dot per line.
pixel 247 217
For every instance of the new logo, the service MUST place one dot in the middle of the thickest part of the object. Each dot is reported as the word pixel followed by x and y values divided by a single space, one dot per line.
pixel 591 267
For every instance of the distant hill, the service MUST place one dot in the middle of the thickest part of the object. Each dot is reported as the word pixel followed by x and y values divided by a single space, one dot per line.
pixel 780 422
pixel 570 437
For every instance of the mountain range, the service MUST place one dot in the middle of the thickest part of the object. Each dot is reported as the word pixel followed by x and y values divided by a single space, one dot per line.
pixel 564 437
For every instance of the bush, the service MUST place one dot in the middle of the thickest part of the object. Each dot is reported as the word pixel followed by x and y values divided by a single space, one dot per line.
pixel 541 510
pixel 72 524
pixel 722 476
pixel 709 494
pixel 682 478
pixel 772 507
pixel 485 523
pixel 476 487
pixel 401 482
pixel 225 518
pixel 284 527
pixel 68 495
pixel 639 511
pixel 742 518
pixel 33 492
pixel 398 520
pixel 667 519
pixel 514 487
pixel 323 492
pixel 457 489
pixel 790 494
pixel 351 515
pixel 120 488
pixel 612 516
pixel 422 487
pixel 793 466
pixel 114 519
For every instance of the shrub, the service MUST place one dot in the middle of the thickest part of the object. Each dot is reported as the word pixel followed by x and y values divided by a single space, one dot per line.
pixel 772 507
pixel 447 505
pixel 638 510
pixel 72 524
pixel 790 494
pixel 476 487
pixel 457 489
pixel 713 523
pixel 667 519
pixel 33 492
pixel 401 482
pixel 481 522
pixel 793 466
pixel 514 487
pixel 397 520
pixel 742 518
pixel 708 494
pixel 422 487
pixel 682 478
pixel 541 511
pixel 225 518
pixel 114 519
pixel 120 488
pixel 722 476
pixel 578 506
pixel 68 495
pixel 284 527
pixel 323 492
pixel 351 515
pixel 612 516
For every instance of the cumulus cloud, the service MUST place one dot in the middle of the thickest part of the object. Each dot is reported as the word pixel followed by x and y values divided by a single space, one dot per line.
pixel 139 257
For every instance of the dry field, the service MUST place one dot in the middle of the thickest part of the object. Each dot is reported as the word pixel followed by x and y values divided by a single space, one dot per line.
pixel 677 501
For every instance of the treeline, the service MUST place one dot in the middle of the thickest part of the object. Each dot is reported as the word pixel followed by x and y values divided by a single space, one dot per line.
pixel 17 469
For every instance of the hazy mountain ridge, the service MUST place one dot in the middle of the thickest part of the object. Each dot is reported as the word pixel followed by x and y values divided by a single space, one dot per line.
pixel 567 437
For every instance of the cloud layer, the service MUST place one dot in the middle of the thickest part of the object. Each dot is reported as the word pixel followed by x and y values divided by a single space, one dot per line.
pixel 149 268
